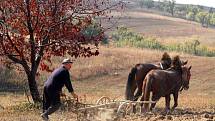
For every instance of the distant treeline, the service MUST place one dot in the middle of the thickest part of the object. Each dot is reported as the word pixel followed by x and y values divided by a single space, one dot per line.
pixel 123 37
pixel 201 14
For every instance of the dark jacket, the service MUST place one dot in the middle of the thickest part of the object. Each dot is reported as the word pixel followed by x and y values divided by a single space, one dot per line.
pixel 57 80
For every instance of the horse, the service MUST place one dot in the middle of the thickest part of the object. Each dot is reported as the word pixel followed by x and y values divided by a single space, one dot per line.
pixel 162 83
pixel 138 73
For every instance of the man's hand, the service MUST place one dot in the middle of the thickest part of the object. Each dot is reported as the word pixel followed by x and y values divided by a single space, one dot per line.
pixel 74 95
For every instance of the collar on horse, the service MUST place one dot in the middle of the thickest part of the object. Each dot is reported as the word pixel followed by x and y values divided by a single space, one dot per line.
pixel 161 66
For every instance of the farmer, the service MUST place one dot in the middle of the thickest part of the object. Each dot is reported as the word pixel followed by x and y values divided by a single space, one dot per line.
pixel 53 88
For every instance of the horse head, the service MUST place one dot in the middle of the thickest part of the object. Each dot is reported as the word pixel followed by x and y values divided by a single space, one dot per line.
pixel 186 77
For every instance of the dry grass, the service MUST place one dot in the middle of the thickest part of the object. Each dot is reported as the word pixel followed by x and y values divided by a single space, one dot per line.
pixel 106 75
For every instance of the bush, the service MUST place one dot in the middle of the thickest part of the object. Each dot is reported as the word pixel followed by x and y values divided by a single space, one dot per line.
pixel 93 30
pixel 123 37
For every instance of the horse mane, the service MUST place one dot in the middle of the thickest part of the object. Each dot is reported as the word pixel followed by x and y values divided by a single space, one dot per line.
pixel 166 60
pixel 165 56
pixel 176 63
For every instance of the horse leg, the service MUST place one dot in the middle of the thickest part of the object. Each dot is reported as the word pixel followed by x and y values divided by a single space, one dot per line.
pixel 138 94
pixel 175 95
pixel 167 99
pixel 142 98
pixel 143 110
pixel 135 98
pixel 154 98
pixel 134 87
pixel 139 90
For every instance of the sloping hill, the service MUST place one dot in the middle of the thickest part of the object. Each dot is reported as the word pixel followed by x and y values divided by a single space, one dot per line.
pixel 165 28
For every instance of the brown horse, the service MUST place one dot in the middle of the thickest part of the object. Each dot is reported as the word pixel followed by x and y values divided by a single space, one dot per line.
pixel 138 73
pixel 162 83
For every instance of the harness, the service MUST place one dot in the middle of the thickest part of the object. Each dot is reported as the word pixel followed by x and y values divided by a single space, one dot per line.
pixel 161 66
pixel 188 76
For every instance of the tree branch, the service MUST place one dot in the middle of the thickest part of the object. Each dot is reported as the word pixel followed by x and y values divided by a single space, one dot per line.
pixel 41 52
pixel 37 18
pixel 87 13
pixel 13 56
pixel 31 33
pixel 13 45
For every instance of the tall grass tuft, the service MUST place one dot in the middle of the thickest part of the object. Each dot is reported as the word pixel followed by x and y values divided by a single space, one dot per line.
pixel 27 107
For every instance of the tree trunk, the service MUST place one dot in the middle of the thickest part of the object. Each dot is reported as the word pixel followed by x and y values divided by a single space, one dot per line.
pixel 34 89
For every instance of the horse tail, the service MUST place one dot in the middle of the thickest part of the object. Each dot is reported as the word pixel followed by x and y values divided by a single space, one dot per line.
pixel 129 92
pixel 146 90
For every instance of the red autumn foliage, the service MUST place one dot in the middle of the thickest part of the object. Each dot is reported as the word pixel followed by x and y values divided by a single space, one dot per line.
pixel 32 31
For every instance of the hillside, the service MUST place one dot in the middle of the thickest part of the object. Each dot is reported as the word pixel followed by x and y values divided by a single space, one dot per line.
pixel 164 28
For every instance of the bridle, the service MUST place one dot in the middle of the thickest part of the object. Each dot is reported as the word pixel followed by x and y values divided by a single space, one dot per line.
pixel 184 82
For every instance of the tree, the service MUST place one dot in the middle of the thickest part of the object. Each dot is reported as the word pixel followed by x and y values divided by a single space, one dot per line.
pixel 202 17
pixel 212 20
pixel 32 31
pixel 208 18
pixel 164 5
pixel 168 6
pixel 192 11
pixel 147 3
pixel 171 7
pixel 190 16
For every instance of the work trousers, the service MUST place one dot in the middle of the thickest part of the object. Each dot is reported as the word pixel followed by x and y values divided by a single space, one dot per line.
pixel 51 101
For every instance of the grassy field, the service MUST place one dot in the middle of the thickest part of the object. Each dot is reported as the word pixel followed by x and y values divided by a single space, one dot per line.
pixel 106 74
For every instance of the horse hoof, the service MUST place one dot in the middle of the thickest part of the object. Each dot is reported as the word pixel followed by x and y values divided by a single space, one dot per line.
pixel 168 111
pixel 173 108
pixel 143 111
pixel 165 112
pixel 153 110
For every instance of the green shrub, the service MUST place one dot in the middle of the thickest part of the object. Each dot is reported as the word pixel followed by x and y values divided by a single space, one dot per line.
pixel 94 30
pixel 123 37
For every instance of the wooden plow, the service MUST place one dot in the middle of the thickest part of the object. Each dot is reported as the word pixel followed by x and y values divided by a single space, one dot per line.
pixel 104 109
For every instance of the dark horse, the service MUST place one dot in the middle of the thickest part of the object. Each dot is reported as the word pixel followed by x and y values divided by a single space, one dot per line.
pixel 162 83
pixel 138 73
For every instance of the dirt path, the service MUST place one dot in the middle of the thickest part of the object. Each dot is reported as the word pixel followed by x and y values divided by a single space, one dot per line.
pixel 177 115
